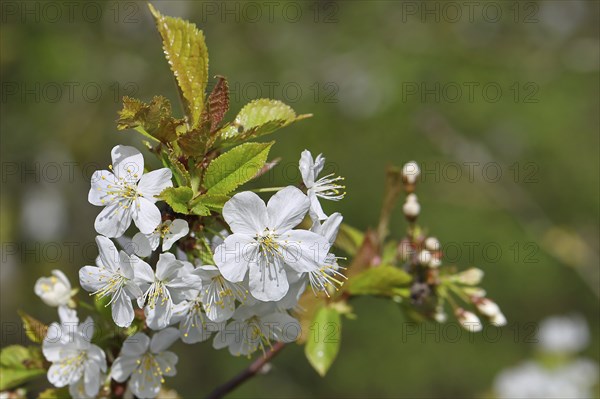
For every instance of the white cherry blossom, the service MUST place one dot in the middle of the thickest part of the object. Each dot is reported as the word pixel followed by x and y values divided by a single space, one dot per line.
pixel 264 243
pixel 113 276
pixel 218 295
pixel 194 326
pixel 327 187
pixel 76 362
pixel 146 362
pixel 127 193
pixel 169 231
pixel 54 290
pixel 164 288
pixel 327 276
pixel 254 327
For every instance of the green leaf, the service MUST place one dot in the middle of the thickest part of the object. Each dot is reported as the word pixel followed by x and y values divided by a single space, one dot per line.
pixel 323 345
pixel 34 329
pixel 218 103
pixel 54 393
pixel 18 365
pixel 235 167
pixel 259 117
pixel 379 280
pixel 207 202
pixel 187 54
pixel 195 142
pixel 177 198
pixel 153 120
pixel 349 239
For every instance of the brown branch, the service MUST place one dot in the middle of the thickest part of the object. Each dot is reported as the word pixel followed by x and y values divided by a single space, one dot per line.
pixel 246 374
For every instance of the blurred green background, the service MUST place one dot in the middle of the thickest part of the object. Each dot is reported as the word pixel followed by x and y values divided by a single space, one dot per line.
pixel 498 102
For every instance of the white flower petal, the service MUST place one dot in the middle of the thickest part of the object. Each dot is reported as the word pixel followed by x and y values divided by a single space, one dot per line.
pixel 219 312
pixel 135 345
pixel 145 215
pixel 316 210
pixel 246 213
pixel 281 327
pixel 103 182
pixel 177 229
pixel 167 362
pixel 91 379
pixel 122 310
pixel 159 314
pixel 113 220
pixel 268 283
pixel 122 368
pixel 142 245
pixel 153 183
pixel 108 253
pixel 167 266
pixel 330 227
pixel 162 340
pixel 234 255
pixel 57 375
pixel 145 384
pixel 95 354
pixel 93 278
pixel 128 163
pixel 304 250
pixel 307 168
pixel 286 209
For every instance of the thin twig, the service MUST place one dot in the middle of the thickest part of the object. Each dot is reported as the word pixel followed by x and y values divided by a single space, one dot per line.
pixel 246 374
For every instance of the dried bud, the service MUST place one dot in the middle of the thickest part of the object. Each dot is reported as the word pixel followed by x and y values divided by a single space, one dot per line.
pixel 411 207
pixel 470 276
pixel 468 320
pixel 410 172
pixel 432 244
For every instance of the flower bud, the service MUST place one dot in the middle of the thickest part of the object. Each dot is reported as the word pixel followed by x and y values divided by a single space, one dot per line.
pixel 432 244
pixel 440 316
pixel 487 307
pixel 470 276
pixel 468 320
pixel 498 320
pixel 411 207
pixel 410 172
pixel 435 262
pixel 424 257
pixel 54 290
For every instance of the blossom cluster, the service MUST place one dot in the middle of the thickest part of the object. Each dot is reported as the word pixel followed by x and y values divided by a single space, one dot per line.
pixel 422 256
pixel 263 259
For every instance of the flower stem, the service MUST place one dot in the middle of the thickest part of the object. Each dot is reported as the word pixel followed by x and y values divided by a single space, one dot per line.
pixel 267 189
pixel 246 374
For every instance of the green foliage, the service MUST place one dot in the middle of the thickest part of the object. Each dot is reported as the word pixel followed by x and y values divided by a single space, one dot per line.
pixel 34 329
pixel 187 54
pixel 54 393
pixel 235 167
pixel 380 280
pixel 153 120
pixel 18 365
pixel 203 204
pixel 259 117
pixel 349 239
pixel 177 198
pixel 323 343
pixel 218 103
